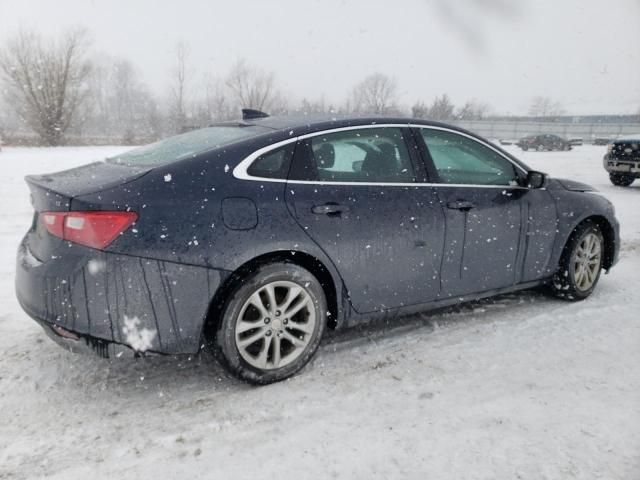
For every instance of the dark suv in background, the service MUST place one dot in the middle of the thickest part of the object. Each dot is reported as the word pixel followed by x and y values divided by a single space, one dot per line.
pixel 622 160
pixel 543 142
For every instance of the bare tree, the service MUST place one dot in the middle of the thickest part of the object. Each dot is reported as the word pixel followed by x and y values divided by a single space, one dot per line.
pixel 545 107
pixel 375 94
pixel 419 110
pixel 180 74
pixel 218 104
pixel 252 87
pixel 133 107
pixel 307 106
pixel 442 108
pixel 45 81
pixel 473 110
pixel 120 104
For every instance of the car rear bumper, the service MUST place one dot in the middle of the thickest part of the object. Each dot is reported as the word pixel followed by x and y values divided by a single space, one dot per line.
pixel 85 344
pixel 106 298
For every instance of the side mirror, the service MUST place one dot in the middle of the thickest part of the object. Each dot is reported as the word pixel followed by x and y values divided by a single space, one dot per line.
pixel 536 179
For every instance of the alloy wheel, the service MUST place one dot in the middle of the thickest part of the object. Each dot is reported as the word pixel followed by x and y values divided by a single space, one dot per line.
pixel 586 261
pixel 275 325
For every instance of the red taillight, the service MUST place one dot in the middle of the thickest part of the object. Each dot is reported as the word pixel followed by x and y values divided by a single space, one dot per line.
pixel 93 229
pixel 54 222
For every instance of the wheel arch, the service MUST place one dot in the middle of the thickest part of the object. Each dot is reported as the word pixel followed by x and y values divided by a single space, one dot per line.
pixel 330 285
pixel 608 234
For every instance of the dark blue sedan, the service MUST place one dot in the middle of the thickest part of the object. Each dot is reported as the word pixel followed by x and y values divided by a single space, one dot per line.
pixel 254 237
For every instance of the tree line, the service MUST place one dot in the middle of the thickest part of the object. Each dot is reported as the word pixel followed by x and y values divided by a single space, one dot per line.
pixel 56 87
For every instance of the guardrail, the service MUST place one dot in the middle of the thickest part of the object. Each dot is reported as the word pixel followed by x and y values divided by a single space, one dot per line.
pixel 513 130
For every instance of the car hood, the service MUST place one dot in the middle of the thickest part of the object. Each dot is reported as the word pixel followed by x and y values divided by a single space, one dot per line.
pixel 571 185
pixel 628 138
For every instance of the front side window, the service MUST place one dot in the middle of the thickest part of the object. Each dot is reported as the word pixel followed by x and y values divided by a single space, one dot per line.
pixel 462 160
pixel 361 155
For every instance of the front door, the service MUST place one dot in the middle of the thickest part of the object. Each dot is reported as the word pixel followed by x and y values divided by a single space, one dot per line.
pixel 484 203
pixel 354 193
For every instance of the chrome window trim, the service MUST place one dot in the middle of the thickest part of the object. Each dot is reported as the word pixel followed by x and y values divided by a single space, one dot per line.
pixel 240 171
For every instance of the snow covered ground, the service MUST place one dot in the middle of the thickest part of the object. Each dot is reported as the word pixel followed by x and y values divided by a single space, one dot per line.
pixel 519 387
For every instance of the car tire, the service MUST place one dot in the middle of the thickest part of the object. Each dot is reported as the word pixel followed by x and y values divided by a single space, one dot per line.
pixel 580 264
pixel 524 148
pixel 257 338
pixel 621 180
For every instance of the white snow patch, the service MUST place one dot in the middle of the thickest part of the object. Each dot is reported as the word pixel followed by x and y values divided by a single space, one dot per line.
pixel 167 177
pixel 96 266
pixel 140 339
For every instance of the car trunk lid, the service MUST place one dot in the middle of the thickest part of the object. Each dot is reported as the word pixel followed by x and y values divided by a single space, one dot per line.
pixel 54 192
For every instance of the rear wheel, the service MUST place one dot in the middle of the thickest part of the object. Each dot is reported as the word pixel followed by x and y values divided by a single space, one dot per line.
pixel 580 263
pixel 272 324
pixel 621 180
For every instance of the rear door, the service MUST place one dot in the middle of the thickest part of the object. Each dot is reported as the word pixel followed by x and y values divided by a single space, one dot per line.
pixel 355 193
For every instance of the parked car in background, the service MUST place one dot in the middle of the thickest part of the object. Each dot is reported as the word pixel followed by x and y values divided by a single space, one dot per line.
pixel 576 141
pixel 543 142
pixel 253 237
pixel 602 140
pixel 622 160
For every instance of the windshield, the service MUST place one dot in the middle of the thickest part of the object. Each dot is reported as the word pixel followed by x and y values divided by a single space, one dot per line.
pixel 186 145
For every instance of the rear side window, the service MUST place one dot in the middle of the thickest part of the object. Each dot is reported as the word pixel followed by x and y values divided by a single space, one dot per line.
pixel 273 164
pixel 462 160
pixel 360 155
pixel 186 145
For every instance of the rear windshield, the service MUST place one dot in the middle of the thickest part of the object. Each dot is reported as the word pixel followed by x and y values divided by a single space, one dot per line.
pixel 186 145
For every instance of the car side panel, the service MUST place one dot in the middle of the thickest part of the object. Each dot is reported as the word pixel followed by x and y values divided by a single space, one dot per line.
pixel 541 224
pixel 197 213
pixel 572 209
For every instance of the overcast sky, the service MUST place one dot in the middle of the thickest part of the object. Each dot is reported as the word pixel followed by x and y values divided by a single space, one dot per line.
pixel 584 53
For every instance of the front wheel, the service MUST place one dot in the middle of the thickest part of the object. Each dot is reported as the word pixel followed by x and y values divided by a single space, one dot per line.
pixel 272 324
pixel 621 180
pixel 580 263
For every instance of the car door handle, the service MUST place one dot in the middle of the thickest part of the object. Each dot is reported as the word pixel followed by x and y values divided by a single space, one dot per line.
pixel 463 205
pixel 329 209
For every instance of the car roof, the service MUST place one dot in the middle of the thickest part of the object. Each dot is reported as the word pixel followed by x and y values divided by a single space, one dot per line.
pixel 297 125
pixel 302 124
